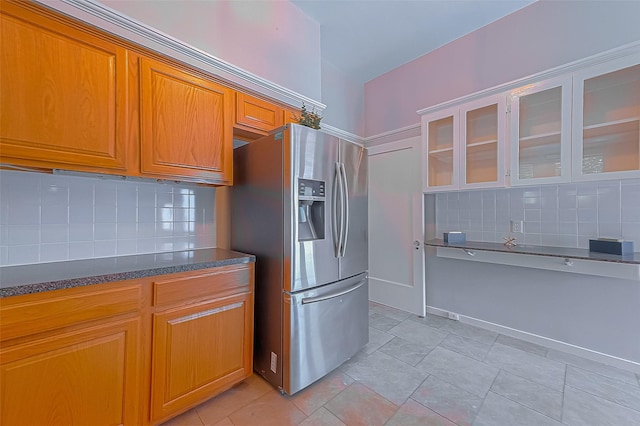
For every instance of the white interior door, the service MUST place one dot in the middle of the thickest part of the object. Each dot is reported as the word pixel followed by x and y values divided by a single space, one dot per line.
pixel 396 226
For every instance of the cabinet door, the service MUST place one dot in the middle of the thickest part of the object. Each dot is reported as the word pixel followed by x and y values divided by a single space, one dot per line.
pixel 200 350
pixel 256 114
pixel 541 132
pixel 440 150
pixel 606 121
pixel 185 125
pixel 63 102
pixel 482 143
pixel 87 377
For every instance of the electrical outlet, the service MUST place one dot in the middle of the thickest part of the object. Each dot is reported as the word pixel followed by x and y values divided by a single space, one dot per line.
pixel 516 226
pixel 454 316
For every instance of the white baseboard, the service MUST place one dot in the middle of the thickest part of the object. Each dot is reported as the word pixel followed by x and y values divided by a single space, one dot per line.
pixel 544 341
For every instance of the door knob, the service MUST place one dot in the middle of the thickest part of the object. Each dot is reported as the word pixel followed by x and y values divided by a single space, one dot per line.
pixel 416 244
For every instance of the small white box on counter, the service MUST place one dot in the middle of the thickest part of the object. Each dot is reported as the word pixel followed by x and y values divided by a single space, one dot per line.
pixel 454 237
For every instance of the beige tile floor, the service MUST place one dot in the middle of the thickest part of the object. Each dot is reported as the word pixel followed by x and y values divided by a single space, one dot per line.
pixel 433 371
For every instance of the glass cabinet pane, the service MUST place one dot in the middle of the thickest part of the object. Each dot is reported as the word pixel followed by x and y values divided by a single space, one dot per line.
pixel 611 117
pixel 481 145
pixel 440 151
pixel 539 134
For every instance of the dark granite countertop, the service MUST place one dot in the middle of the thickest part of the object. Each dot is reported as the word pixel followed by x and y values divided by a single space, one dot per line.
pixel 25 279
pixel 571 253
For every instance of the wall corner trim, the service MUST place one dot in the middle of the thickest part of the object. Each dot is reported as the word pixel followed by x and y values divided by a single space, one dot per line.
pixel 393 135
pixel 123 26
pixel 334 131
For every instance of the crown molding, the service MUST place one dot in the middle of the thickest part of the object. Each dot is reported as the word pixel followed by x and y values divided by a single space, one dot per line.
pixel 334 131
pixel 116 23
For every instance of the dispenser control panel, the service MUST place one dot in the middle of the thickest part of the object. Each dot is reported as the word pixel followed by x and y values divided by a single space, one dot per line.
pixel 310 189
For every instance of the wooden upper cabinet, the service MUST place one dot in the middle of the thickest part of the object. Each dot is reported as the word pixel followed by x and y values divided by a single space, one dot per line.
pixel 63 102
pixel 185 125
pixel 256 114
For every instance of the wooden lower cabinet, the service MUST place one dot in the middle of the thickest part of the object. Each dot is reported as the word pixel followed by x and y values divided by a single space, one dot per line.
pixel 74 378
pixel 133 352
pixel 200 350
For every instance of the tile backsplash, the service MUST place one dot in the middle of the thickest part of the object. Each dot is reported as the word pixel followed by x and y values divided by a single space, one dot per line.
pixel 565 215
pixel 47 218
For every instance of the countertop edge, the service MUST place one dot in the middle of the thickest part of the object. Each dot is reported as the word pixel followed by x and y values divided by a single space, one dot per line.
pixel 571 253
pixel 39 287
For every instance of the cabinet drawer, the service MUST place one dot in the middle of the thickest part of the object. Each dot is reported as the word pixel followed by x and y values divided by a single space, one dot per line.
pixel 257 114
pixel 30 314
pixel 200 284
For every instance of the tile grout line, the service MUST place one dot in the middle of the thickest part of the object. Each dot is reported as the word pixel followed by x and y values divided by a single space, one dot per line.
pixel 520 403
pixel 431 409
pixel 564 393
pixel 603 375
pixel 602 397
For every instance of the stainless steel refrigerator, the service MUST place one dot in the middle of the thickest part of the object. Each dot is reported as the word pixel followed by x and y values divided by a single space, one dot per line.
pixel 299 203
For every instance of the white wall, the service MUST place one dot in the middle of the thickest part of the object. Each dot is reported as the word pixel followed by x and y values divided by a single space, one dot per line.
pixel 344 98
pixel 46 218
pixel 541 36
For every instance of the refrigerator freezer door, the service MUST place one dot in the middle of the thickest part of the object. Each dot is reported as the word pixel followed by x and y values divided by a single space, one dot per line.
pixel 355 258
pixel 313 158
pixel 326 327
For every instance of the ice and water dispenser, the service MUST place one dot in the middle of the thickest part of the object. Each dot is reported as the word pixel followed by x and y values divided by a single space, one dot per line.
pixel 311 204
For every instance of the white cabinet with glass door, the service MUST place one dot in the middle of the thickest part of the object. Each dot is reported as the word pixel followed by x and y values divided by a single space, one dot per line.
pixel 606 120
pixel 541 132
pixel 464 147
pixel 482 146
pixel 440 134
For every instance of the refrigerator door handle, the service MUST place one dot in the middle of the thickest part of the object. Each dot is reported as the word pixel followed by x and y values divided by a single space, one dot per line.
pixel 337 236
pixel 341 188
pixel 324 297
pixel 346 210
